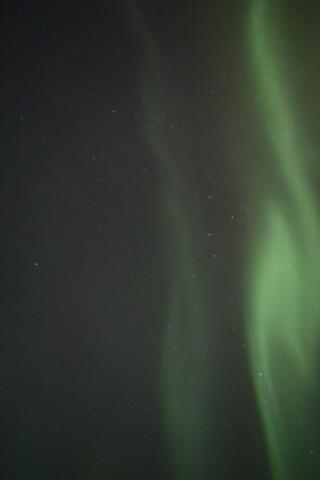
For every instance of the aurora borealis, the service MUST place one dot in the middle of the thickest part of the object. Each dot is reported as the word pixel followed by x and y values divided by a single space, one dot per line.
pixel 283 324
pixel 184 375
pixel 160 240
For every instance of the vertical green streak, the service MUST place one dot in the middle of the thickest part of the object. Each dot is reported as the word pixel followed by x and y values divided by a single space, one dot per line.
pixel 283 300
pixel 184 372
pixel 185 381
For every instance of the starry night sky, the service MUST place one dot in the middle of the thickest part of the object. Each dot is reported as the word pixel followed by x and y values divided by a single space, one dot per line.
pixel 145 177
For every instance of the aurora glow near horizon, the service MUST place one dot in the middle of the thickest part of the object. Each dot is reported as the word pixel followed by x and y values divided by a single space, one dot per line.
pixel 283 301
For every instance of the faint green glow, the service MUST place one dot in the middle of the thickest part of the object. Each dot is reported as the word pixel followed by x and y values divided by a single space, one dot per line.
pixel 185 376
pixel 185 379
pixel 283 300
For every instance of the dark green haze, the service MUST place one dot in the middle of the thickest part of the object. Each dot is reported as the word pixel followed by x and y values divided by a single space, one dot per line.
pixel 185 373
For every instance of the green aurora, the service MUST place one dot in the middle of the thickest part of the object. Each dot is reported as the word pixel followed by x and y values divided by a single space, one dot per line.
pixel 185 374
pixel 284 272
pixel 283 264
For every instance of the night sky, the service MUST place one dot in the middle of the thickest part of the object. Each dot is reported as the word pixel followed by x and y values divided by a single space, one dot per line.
pixel 160 240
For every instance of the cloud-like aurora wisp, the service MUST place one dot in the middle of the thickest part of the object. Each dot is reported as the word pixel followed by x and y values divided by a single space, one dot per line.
pixel 185 374
pixel 284 272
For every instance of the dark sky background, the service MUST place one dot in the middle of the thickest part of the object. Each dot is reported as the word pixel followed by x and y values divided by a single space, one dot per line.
pixel 85 268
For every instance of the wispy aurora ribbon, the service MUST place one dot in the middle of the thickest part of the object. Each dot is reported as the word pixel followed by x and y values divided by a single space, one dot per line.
pixel 185 376
pixel 283 297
